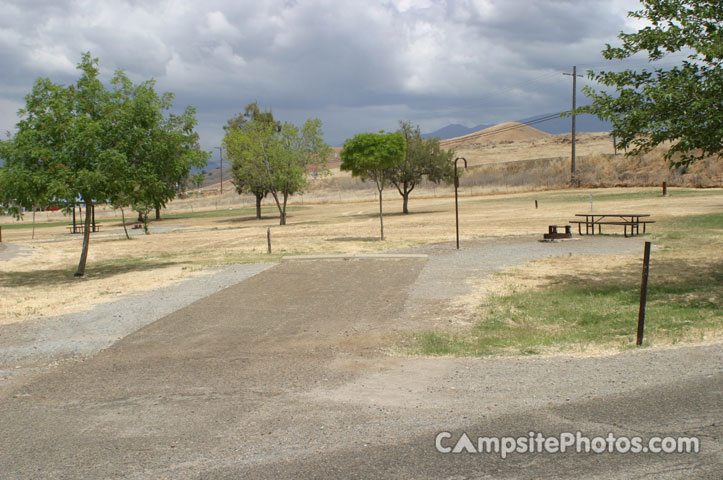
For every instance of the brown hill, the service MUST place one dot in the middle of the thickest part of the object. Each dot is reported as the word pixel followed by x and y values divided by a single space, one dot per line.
pixel 504 132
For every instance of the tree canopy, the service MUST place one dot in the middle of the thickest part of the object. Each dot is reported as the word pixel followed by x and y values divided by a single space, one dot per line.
pixel 85 143
pixel 423 157
pixel 275 158
pixel 160 148
pixel 371 156
pixel 682 105
pixel 249 175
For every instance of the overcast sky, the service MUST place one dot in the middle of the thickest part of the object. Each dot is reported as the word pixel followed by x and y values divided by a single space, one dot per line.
pixel 357 65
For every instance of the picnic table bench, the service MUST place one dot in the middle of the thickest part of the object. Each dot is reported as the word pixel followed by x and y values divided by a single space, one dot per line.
pixel 81 228
pixel 632 220
pixel 554 234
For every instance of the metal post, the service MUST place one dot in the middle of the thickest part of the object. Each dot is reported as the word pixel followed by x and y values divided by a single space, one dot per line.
pixel 643 294
pixel 456 201
pixel 220 153
pixel 268 239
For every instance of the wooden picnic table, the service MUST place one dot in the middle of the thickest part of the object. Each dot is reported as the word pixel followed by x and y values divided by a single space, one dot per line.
pixel 632 220
pixel 80 228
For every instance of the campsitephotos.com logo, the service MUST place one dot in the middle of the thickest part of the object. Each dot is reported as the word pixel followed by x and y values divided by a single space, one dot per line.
pixel 536 442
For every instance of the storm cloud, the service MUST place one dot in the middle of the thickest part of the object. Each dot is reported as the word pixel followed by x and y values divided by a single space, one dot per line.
pixel 358 66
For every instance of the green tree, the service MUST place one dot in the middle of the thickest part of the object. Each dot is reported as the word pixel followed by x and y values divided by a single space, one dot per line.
pixel 197 180
pixel 85 143
pixel 249 174
pixel 279 159
pixel 21 190
pixel 371 156
pixel 62 141
pixel 682 105
pixel 160 148
pixel 423 157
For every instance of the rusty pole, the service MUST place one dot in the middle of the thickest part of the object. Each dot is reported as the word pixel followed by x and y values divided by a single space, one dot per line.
pixel 456 201
pixel 643 294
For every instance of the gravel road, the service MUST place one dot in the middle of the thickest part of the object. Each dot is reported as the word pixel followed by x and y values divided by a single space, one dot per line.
pixel 285 375
pixel 452 274
pixel 34 346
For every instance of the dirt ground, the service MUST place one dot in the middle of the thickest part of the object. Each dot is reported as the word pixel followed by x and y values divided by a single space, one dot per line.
pixel 36 280
pixel 287 375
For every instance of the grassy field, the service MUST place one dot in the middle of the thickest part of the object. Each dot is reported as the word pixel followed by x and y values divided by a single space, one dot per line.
pixel 188 243
pixel 582 312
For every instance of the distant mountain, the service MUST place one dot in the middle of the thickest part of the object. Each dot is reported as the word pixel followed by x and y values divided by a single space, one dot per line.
pixel 583 123
pixel 453 131
pixel 509 131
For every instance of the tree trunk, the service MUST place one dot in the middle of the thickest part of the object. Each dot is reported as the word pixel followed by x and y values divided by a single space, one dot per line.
pixel 33 235
pixel 283 210
pixel 258 206
pixel 140 217
pixel 86 240
pixel 123 216
pixel 158 212
pixel 381 215
pixel 405 202
pixel 145 224
pixel 282 216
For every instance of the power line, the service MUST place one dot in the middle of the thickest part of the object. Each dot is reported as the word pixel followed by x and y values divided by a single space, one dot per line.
pixel 518 125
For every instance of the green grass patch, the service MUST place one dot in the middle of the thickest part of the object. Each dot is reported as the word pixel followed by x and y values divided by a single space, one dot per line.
pixel 64 223
pixel 234 212
pixel 685 301
pixel 604 196
pixel 567 316
pixel 132 218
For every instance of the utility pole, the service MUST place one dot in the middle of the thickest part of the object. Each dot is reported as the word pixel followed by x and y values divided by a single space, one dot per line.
pixel 574 90
pixel 220 153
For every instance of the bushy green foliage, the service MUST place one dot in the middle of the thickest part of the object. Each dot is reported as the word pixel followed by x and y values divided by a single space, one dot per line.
pixel 423 158
pixel 682 105
pixel 272 157
pixel 85 143
pixel 371 156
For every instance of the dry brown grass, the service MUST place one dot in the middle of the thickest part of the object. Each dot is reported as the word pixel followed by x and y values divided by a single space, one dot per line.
pixel 41 283
pixel 340 217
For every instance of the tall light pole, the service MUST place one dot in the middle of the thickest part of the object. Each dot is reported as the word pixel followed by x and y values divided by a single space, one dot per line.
pixel 574 90
pixel 220 153
pixel 456 202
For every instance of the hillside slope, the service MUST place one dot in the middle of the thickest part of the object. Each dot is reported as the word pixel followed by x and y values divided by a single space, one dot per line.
pixel 504 132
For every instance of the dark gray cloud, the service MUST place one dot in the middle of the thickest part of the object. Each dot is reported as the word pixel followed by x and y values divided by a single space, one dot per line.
pixel 359 66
